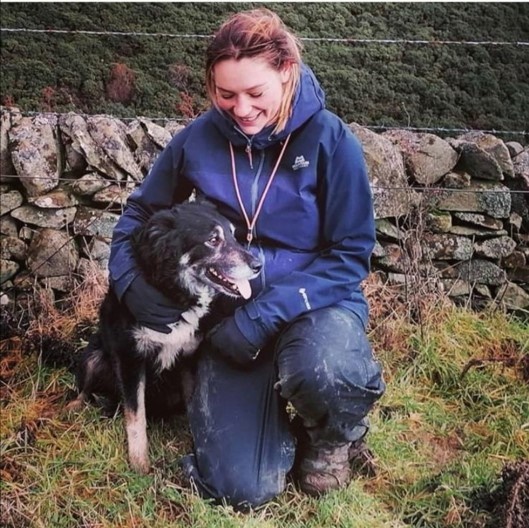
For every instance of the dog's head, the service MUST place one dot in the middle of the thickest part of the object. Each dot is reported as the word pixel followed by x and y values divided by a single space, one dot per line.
pixel 192 246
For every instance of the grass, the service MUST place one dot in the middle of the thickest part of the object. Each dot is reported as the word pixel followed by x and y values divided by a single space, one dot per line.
pixel 451 434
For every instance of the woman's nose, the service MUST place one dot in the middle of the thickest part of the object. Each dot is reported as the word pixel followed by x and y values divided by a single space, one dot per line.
pixel 242 108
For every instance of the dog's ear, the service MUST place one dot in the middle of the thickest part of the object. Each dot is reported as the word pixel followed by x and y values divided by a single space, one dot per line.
pixel 202 200
pixel 157 239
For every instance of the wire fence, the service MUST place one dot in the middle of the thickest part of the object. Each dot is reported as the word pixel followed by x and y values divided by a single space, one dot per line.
pixel 345 40
pixel 427 189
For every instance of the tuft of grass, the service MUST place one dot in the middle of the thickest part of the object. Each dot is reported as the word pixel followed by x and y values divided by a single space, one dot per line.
pixel 450 435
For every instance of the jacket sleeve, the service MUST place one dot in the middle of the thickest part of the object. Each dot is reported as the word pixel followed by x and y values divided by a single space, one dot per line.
pixel 162 188
pixel 348 238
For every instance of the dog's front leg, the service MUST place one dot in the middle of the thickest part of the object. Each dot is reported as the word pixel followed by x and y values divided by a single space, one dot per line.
pixel 133 383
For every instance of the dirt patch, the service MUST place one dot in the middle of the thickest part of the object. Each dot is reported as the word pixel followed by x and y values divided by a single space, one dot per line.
pixel 508 504
pixel 512 497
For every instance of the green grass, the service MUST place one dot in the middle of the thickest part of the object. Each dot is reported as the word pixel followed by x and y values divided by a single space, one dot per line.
pixel 442 434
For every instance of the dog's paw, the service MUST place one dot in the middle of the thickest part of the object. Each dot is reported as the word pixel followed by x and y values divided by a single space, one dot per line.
pixel 140 464
pixel 77 404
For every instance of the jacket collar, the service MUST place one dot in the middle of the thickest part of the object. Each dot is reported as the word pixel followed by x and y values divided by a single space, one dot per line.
pixel 308 100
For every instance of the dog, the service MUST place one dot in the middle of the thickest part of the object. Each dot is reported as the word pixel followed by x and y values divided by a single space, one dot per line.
pixel 190 254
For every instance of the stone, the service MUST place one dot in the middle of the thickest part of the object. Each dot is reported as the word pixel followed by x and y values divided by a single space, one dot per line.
pixel 480 220
pixel 8 226
pixel 427 157
pixel 89 184
pixel 387 229
pixel 493 146
pixel 456 180
pixel 75 129
pixel 520 274
pixel 174 127
pixel 110 135
pixel 12 248
pixel 478 163
pixel 52 218
pixel 159 135
pixel 87 267
pixel 394 259
pixel 52 253
pixel 514 148
pixel 475 271
pixel 98 249
pixel 10 200
pixel 378 250
pixel 476 232
pixel 94 222
pixel 446 247
pixel 512 297
pixel 36 154
pixel 439 221
pixel 489 198
pixel 57 199
pixel 8 269
pixel 456 287
pixel 516 259
pixel 63 283
pixel 521 166
pixel 6 165
pixel 392 195
pixel 495 248
pixel 113 194
pixel 515 220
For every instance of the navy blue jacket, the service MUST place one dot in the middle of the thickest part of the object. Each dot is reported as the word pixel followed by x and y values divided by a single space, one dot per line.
pixel 315 233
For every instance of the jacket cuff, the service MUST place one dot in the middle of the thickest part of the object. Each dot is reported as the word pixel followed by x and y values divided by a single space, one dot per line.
pixel 121 285
pixel 249 323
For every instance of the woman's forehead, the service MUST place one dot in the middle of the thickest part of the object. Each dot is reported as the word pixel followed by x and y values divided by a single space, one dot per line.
pixel 242 75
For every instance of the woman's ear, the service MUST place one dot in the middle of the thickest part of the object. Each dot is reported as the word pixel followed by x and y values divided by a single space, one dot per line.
pixel 285 72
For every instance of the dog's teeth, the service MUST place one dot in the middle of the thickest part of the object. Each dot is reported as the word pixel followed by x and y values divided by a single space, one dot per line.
pixel 241 288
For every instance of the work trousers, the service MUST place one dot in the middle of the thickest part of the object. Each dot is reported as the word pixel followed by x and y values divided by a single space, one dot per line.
pixel 244 447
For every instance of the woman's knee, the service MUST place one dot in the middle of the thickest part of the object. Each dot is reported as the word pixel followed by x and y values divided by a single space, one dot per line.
pixel 326 356
pixel 235 484
pixel 250 490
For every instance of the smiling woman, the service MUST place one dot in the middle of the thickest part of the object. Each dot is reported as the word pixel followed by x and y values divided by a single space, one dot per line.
pixel 257 58
pixel 291 177
pixel 250 92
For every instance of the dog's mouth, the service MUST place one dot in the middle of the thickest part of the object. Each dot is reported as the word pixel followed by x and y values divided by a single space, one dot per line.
pixel 240 287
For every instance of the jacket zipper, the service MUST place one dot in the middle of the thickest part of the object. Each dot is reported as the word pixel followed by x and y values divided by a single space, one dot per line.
pixel 248 148
pixel 254 190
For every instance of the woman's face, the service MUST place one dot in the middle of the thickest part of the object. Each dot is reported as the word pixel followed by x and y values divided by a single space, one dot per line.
pixel 250 91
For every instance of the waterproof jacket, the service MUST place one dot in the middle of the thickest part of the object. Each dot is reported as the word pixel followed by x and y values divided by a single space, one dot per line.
pixel 315 232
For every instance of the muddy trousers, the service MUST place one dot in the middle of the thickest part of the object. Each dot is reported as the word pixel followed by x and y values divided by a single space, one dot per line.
pixel 243 445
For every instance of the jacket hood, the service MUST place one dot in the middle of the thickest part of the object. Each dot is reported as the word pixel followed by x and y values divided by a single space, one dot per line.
pixel 309 99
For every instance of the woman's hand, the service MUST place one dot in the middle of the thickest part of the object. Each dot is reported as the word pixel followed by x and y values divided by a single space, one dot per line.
pixel 150 307
pixel 229 342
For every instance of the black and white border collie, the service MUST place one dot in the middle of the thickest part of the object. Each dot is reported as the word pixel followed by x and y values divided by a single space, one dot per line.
pixel 190 254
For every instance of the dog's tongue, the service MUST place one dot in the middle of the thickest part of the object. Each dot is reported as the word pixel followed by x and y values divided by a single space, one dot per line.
pixel 244 288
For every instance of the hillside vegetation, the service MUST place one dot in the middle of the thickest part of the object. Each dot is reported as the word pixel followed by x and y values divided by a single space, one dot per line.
pixel 463 86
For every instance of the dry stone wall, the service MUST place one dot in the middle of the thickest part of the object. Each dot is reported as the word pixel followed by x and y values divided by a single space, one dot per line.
pixel 453 210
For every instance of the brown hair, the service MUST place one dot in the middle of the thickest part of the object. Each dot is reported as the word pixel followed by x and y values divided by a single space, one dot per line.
pixel 257 33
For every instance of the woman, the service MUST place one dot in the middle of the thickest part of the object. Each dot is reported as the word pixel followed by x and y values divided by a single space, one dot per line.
pixel 291 177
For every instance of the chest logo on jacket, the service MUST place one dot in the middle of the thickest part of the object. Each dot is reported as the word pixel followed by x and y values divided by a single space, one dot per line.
pixel 300 163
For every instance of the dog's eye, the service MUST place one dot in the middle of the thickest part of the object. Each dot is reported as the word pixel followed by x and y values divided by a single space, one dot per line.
pixel 214 240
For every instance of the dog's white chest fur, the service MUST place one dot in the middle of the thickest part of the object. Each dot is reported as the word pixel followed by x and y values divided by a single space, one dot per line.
pixel 183 339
